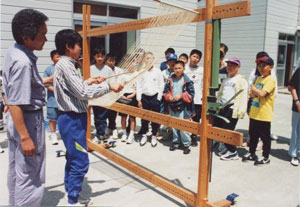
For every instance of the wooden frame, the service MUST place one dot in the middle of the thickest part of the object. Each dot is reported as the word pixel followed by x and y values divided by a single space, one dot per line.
pixel 204 129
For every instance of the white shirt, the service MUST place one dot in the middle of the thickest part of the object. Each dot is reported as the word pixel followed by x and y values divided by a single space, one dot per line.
pixel 125 79
pixel 115 71
pixel 150 83
pixel 229 89
pixel 103 71
pixel 196 75
pixel 166 74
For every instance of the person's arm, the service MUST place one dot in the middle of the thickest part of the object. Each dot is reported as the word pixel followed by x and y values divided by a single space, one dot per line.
pixel 27 144
pixel 5 110
pixel 256 92
pixel 48 80
pixel 295 97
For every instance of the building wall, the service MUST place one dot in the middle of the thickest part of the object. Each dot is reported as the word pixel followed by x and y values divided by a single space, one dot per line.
pixel 282 17
pixel 60 17
pixel 244 36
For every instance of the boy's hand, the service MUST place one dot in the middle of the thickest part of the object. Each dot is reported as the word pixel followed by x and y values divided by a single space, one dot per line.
pixel 96 79
pixel 252 94
pixel 115 87
pixel 5 110
pixel 176 98
pixel 140 105
pixel 48 80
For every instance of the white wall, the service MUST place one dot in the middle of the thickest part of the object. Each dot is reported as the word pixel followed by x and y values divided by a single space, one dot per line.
pixel 60 14
pixel 243 35
pixel 282 17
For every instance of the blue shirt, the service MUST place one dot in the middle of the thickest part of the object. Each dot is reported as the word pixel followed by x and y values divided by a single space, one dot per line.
pixel 177 86
pixel 51 102
pixel 22 83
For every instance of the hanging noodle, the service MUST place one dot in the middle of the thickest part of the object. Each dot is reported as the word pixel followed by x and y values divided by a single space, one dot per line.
pixel 160 33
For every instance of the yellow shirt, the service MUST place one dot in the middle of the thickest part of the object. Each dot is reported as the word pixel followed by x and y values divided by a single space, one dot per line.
pixel 262 108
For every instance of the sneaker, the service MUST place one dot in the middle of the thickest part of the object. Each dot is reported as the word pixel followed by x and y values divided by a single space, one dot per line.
pixel 143 140
pixel 262 161
pixel 174 146
pixel 294 161
pixel 186 150
pixel 249 157
pixel 230 156
pixel 53 138
pixel 124 137
pixel 84 201
pixel 115 134
pixel 153 141
pixel 274 137
pixel 222 152
pixel 1 128
pixel 130 138
pixel 95 140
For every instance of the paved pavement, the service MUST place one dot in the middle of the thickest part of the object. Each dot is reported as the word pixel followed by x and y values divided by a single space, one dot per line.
pixel 273 185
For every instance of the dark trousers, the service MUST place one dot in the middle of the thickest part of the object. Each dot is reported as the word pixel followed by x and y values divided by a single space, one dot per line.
pixel 260 129
pixel 227 113
pixel 197 117
pixel 72 127
pixel 100 116
pixel 198 108
pixel 150 103
pixel 112 115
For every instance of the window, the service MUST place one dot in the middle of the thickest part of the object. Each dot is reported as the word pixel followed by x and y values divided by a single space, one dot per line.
pixel 115 11
pixel 96 9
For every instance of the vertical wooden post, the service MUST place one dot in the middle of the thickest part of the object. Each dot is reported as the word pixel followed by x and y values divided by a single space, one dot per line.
pixel 205 145
pixel 86 24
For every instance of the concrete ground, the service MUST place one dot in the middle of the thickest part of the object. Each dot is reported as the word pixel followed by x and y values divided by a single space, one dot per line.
pixel 274 185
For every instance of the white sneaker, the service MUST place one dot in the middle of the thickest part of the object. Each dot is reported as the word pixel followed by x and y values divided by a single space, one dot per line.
pixel 124 137
pixel 143 140
pixel 115 134
pixel 95 140
pixel 130 138
pixel 53 138
pixel 153 141
pixel 230 156
pixel 295 161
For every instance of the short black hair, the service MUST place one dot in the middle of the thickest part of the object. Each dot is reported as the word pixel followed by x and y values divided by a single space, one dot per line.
pixel 26 23
pixel 225 47
pixel 111 55
pixel 170 50
pixel 184 55
pixel 99 51
pixel 179 62
pixel 66 37
pixel 52 53
pixel 261 54
pixel 195 51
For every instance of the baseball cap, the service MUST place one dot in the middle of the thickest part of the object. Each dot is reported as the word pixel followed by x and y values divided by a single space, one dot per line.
pixel 234 60
pixel 171 56
pixel 265 59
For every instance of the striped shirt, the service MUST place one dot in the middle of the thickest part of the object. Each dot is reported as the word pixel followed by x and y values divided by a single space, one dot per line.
pixel 70 91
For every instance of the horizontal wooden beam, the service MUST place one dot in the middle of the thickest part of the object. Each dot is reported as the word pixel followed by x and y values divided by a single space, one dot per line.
pixel 222 203
pixel 218 134
pixel 184 194
pixel 242 8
